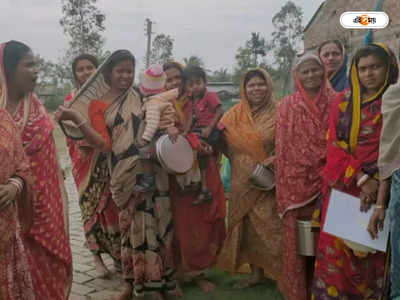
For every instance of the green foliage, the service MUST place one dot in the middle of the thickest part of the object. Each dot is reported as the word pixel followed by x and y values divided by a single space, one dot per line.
pixel 82 22
pixel 161 51
pixel 247 56
pixel 286 40
pixel 54 101
pixel 193 61
pixel 220 75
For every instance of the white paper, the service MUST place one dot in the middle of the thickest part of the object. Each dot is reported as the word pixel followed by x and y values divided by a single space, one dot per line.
pixel 345 220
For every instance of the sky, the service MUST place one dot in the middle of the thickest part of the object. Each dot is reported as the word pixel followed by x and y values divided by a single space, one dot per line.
pixel 210 29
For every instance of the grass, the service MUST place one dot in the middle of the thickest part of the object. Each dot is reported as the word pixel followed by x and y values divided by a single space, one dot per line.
pixel 224 282
pixel 224 289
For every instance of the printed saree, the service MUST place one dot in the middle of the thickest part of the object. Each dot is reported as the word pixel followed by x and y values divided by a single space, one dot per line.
pixel 99 211
pixel 15 277
pixel 47 243
pixel 254 227
pixel 301 129
pixel 353 146
pixel 145 219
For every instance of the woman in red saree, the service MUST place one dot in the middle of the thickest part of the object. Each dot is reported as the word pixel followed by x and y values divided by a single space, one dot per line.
pixel 301 127
pixel 15 213
pixel 352 153
pixel 199 229
pixel 47 242
pixel 90 171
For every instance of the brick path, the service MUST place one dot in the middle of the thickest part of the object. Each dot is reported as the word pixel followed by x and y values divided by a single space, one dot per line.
pixel 85 284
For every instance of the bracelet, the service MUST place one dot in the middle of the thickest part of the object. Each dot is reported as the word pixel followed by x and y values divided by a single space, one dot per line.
pixel 81 124
pixel 378 206
pixel 362 180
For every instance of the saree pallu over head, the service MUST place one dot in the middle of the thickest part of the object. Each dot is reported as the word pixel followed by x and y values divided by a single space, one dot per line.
pixel 339 80
pixel 123 121
pixel 49 227
pixel 300 140
pixel 355 128
pixel 246 129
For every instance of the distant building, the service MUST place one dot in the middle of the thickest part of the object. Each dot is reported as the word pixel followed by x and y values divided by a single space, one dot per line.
pixel 325 25
pixel 224 89
pixel 45 91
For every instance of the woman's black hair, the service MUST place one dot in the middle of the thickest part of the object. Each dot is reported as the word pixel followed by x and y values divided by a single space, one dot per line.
pixel 387 58
pixel 115 58
pixel 251 74
pixel 338 44
pixel 14 51
pixel 193 72
pixel 172 65
pixel 83 56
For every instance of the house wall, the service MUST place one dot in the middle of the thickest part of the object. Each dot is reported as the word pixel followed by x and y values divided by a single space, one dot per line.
pixel 326 25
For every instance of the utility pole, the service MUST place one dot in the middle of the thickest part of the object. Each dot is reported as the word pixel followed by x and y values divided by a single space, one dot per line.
pixel 149 24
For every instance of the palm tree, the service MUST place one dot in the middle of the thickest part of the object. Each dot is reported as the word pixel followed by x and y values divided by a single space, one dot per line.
pixel 193 60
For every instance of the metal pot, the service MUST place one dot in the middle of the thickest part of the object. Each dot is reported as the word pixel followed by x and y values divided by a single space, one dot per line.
pixel 305 238
pixel 262 178
pixel 175 158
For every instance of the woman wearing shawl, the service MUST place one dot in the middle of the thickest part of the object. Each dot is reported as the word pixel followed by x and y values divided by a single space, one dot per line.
pixel 301 129
pixel 90 171
pixel 15 212
pixel 145 219
pixel 254 233
pixel 352 154
pixel 389 166
pixel 334 57
pixel 47 243
pixel 199 229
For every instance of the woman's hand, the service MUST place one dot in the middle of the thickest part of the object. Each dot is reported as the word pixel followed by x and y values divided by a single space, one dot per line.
pixel 376 222
pixel 268 161
pixel 173 133
pixel 369 191
pixel 205 148
pixel 205 132
pixel 67 114
pixel 8 193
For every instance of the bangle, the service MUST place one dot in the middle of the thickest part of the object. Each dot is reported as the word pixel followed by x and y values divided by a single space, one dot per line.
pixel 81 123
pixel 379 206
pixel 362 180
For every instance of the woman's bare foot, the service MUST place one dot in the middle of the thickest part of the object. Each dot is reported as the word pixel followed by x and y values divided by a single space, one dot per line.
pixel 157 296
pixel 177 293
pixel 126 294
pixel 102 271
pixel 205 285
pixel 255 278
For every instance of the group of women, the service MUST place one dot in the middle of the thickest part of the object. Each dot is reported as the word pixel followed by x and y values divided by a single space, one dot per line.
pixel 325 135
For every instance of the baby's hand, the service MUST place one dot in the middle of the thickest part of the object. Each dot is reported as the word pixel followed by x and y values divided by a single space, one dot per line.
pixel 141 142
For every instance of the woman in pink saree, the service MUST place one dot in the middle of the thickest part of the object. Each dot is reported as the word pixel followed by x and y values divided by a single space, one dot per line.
pixel 15 201
pixel 47 242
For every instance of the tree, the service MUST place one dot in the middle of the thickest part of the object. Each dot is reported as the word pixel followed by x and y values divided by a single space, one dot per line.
pixel 46 70
pixel 286 39
pixel 193 61
pixel 257 46
pixel 247 55
pixel 82 22
pixel 161 51
pixel 221 75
